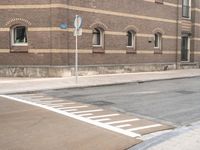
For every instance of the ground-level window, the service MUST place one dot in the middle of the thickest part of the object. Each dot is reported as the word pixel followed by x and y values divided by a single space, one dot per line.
pixel 97 39
pixel 131 39
pixel 19 35
pixel 185 47
pixel 157 40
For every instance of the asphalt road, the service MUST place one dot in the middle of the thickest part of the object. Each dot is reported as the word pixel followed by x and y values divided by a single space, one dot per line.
pixel 174 101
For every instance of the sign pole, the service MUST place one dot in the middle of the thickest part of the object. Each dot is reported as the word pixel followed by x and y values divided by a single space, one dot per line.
pixel 76 59
pixel 77 32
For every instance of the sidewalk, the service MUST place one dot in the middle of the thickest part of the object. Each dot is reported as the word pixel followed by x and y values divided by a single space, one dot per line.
pixel 13 85
pixel 184 138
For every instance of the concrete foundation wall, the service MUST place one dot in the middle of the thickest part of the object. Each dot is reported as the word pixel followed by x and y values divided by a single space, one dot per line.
pixel 57 71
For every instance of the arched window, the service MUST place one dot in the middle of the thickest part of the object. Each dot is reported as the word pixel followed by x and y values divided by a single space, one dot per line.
pixel 157 40
pixel 131 39
pixel 97 39
pixel 19 35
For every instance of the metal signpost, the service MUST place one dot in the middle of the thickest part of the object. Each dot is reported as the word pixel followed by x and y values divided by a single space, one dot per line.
pixel 77 32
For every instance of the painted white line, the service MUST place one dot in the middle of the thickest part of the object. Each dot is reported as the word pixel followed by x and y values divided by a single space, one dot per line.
pixel 71 115
pixel 61 103
pixel 84 115
pixel 29 95
pixel 145 127
pixel 106 119
pixel 34 96
pixel 122 121
pixel 61 108
pixel 103 116
pixel 70 110
pixel 88 111
pixel 53 105
pixel 123 126
pixel 53 101
pixel 45 98
pixel 49 102
pixel 82 106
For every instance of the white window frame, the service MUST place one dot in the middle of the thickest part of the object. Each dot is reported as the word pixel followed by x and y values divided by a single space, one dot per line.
pixel 133 42
pixel 101 38
pixel 13 37
pixel 159 40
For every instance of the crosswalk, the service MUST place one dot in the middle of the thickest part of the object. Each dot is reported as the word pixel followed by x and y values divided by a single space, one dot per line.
pixel 116 122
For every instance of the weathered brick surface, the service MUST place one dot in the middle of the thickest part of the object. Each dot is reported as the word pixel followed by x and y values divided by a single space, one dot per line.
pixel 112 14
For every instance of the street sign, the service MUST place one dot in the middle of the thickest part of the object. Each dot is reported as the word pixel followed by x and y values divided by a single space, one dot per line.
pixel 78 32
pixel 63 26
pixel 78 22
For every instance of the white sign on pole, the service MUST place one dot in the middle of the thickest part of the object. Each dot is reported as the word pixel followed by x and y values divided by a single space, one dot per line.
pixel 78 32
pixel 78 22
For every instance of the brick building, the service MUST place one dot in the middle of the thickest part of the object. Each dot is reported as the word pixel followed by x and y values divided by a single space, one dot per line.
pixel 123 35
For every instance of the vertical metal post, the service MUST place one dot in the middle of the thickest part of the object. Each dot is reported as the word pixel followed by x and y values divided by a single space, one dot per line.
pixel 76 55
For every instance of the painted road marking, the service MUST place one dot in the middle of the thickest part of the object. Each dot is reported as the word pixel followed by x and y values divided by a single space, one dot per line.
pixel 145 127
pixel 53 100
pixel 53 105
pixel 103 116
pixel 100 120
pixel 123 126
pixel 84 115
pixel 88 111
pixel 72 115
pixel 73 107
pixel 71 110
pixel 122 121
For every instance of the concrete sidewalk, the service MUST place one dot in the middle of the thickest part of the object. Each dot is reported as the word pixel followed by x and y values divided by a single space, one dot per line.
pixel 183 138
pixel 13 85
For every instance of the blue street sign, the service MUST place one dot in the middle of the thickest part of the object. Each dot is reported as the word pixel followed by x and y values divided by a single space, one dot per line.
pixel 63 26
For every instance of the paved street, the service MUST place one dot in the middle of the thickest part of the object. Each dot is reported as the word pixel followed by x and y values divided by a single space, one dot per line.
pixel 173 101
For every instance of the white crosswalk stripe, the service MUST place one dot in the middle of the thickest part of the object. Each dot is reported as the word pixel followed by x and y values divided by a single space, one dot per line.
pixel 88 111
pixel 73 107
pixel 145 127
pixel 123 126
pixel 103 116
pixel 122 121
pixel 106 119
pixel 85 115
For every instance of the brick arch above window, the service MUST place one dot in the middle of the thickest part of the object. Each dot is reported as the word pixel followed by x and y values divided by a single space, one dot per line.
pixel 18 21
pixel 158 30
pixel 98 24
pixel 131 28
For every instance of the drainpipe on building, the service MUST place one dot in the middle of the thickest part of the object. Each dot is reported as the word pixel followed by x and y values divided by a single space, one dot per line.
pixel 51 44
pixel 177 34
